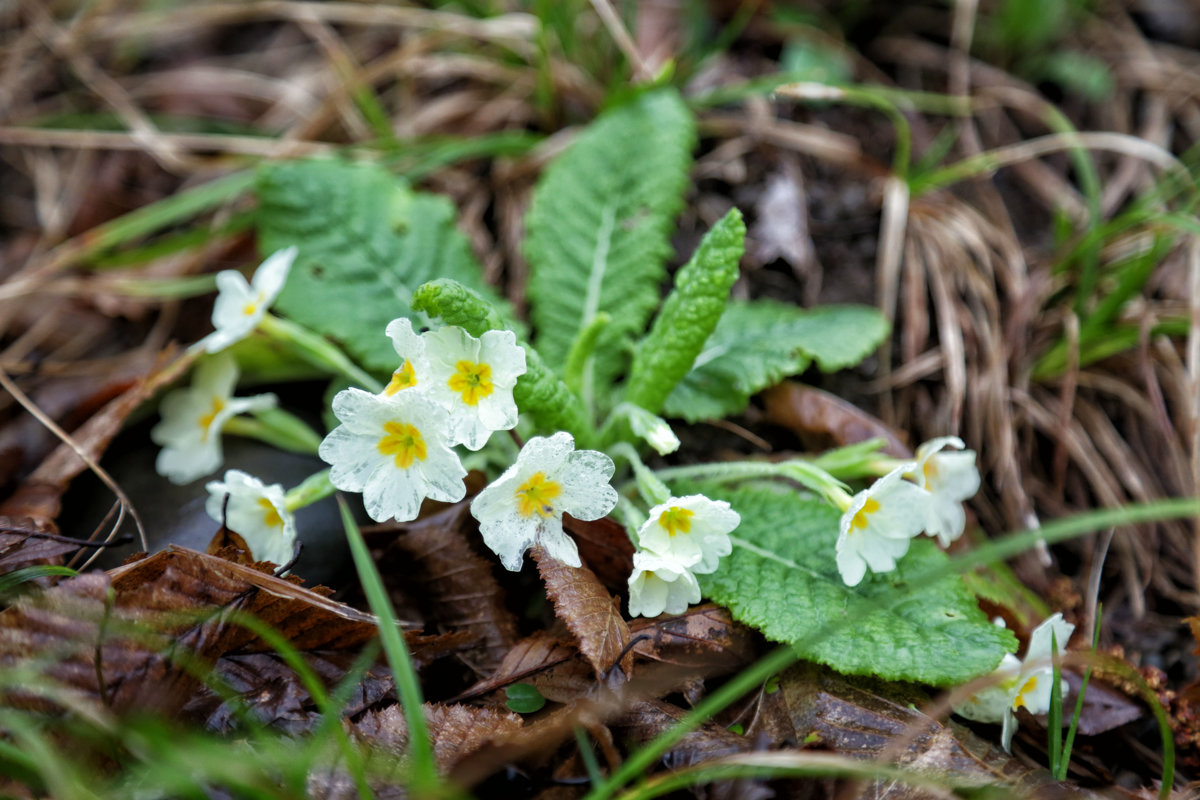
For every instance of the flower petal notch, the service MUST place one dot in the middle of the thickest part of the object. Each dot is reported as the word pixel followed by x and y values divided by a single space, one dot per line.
pixel 240 306
pixel 471 378
pixel 950 478
pixel 1021 683
pixel 879 524
pixel 192 419
pixel 256 512
pixel 692 529
pixel 393 451
pixel 525 505
pixel 661 584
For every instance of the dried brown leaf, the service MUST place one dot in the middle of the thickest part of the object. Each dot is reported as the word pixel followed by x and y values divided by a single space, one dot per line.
pixel 823 417
pixel 705 636
pixel 120 637
pixel 590 613
pixel 846 718
pixel 457 730
pixel 605 547
pixel 649 718
pixel 527 658
pixel 461 591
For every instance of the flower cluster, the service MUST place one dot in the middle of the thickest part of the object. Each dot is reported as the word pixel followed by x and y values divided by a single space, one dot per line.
pixel 924 495
pixel 395 446
pixel 1020 683
pixel 683 537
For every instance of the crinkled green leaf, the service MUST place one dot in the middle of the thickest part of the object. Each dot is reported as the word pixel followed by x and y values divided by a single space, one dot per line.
pixel 539 393
pixel 366 240
pixel 786 584
pixel 758 343
pixel 689 314
pixel 599 231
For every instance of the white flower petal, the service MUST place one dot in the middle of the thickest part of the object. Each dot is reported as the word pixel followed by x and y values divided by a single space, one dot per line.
pixel 660 584
pixel 272 274
pixel 255 512
pixel 524 506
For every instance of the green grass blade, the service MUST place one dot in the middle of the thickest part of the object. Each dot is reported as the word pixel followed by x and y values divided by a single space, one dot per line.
pixel 424 775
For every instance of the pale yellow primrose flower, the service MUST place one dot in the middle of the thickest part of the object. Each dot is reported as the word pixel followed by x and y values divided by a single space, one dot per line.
pixel 950 478
pixel 471 378
pixel 255 512
pixel 661 584
pixel 879 524
pixel 692 529
pixel 1021 683
pixel 394 451
pixel 192 419
pixel 524 506
pixel 240 306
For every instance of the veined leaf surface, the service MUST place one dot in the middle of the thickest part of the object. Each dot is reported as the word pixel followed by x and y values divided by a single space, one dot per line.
pixel 599 230
pixel 782 579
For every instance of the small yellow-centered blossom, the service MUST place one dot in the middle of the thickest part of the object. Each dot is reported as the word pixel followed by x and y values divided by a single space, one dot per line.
pixel 525 505
pixel 950 478
pixel 661 584
pixel 1021 683
pixel 255 512
pixel 878 525
pixel 471 378
pixel 192 419
pixel 394 451
pixel 693 529
pixel 240 306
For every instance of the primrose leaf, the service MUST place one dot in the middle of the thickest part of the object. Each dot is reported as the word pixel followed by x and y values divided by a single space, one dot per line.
pixel 366 241
pixel 758 343
pixel 784 581
pixel 539 393
pixel 689 314
pixel 599 231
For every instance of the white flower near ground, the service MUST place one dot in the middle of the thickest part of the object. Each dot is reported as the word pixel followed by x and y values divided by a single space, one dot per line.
pixel 192 419
pixel 951 478
pixel 661 584
pixel 256 512
pixel 471 378
pixel 394 451
pixel 524 506
pixel 693 529
pixel 879 524
pixel 240 306
pixel 1020 683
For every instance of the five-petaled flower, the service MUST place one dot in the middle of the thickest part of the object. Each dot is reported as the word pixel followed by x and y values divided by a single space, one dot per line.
pixel 471 378
pixel 661 583
pixel 879 524
pixel 693 529
pixel 394 451
pixel 255 512
pixel 525 505
pixel 950 478
pixel 192 419
pixel 1021 683
pixel 240 306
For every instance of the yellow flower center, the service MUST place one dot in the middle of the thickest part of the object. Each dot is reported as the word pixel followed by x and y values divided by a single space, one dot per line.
pixel 930 470
pixel 252 307
pixel 473 381
pixel 860 518
pixel 676 520
pixel 206 420
pixel 271 516
pixel 1030 685
pixel 403 378
pixel 404 442
pixel 534 496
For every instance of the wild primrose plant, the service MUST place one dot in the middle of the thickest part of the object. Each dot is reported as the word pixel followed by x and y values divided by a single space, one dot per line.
pixel 373 285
